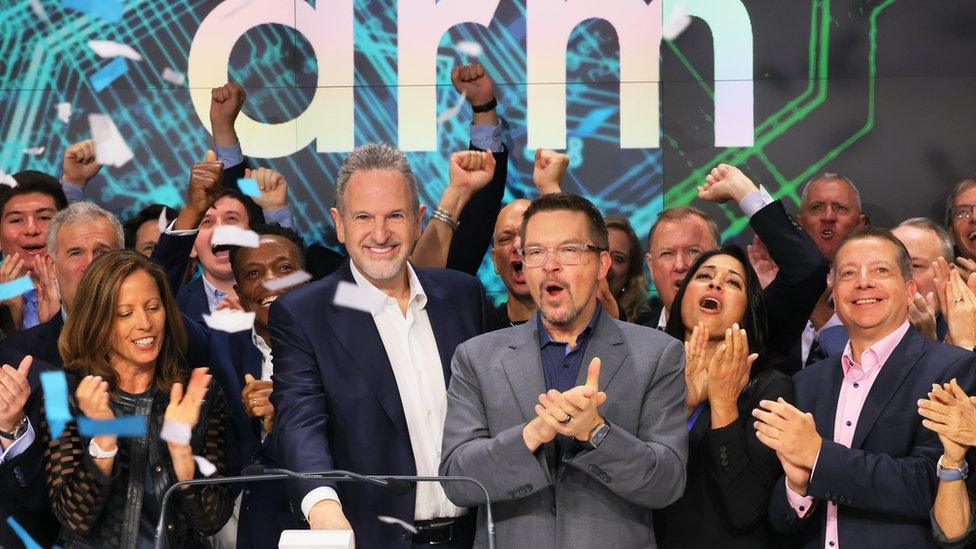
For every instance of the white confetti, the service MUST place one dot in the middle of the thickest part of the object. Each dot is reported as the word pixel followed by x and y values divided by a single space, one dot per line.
pixel 469 48
pixel 163 222
pixel 393 520
pixel 6 179
pixel 173 77
pixel 206 468
pixel 107 49
pixel 64 111
pixel 230 320
pixel 677 23
pixel 351 296
pixel 39 11
pixel 34 151
pixel 289 281
pixel 176 432
pixel 234 236
pixel 110 148
pixel 453 111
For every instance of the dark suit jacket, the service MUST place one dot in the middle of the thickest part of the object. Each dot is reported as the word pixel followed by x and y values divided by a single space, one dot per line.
pixel 832 340
pixel 192 299
pixel 41 342
pixel 884 484
pixel 336 400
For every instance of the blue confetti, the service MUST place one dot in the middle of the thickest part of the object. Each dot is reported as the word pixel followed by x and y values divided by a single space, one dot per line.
pixel 125 426
pixel 108 74
pixel 109 10
pixel 16 287
pixel 592 122
pixel 249 187
pixel 28 541
pixel 55 401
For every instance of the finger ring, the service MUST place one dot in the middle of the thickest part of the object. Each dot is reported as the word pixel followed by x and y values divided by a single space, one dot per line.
pixel 778 433
pixel 567 420
pixel 252 402
pixel 957 299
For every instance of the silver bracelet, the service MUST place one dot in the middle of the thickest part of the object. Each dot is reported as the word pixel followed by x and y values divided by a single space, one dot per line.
pixel 444 216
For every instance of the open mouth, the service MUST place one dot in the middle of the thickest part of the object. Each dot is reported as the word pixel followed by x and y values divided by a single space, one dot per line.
pixel 517 275
pixel 266 302
pixel 972 236
pixel 221 251
pixel 381 251
pixel 35 249
pixel 866 301
pixel 710 304
pixel 145 343
pixel 827 234
pixel 553 289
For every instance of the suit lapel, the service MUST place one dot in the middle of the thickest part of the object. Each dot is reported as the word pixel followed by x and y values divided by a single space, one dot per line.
pixel 893 373
pixel 356 332
pixel 825 410
pixel 606 342
pixel 523 367
pixel 444 321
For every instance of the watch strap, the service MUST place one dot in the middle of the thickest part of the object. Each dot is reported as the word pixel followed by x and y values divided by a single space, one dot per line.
pixel 19 429
pixel 487 107
pixel 96 451
pixel 599 433
pixel 952 474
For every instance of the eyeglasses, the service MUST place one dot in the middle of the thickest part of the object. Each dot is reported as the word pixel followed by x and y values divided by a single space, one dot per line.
pixel 963 211
pixel 567 254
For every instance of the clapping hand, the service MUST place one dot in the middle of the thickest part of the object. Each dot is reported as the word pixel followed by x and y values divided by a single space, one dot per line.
pixel 574 413
pixel 793 435
pixel 952 415
pixel 184 407
pixel 696 367
pixel 728 374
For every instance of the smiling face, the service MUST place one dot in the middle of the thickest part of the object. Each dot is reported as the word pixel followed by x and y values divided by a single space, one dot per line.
pixel 564 294
pixel 23 226
pixel 378 223
pixel 139 325
pixel 673 248
pixel 504 250
pixel 964 230
pixel 76 246
pixel 225 211
pixel 620 252
pixel 870 294
pixel 716 295
pixel 829 213
pixel 275 257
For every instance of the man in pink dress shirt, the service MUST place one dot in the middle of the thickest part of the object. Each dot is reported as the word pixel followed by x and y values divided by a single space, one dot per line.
pixel 860 470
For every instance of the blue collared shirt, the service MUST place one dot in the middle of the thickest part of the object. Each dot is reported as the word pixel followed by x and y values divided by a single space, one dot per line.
pixel 560 363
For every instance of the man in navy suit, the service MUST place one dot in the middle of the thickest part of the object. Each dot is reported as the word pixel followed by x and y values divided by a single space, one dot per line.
pixel 860 467
pixel 367 391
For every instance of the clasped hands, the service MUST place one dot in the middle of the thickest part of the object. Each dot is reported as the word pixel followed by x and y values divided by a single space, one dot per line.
pixel 793 435
pixel 571 413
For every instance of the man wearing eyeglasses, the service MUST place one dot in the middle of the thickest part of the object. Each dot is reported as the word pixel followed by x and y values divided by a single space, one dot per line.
pixel 573 420
pixel 961 224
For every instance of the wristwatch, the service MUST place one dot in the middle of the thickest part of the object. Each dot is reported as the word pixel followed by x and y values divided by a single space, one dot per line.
pixel 599 433
pixel 952 474
pixel 95 451
pixel 487 107
pixel 19 429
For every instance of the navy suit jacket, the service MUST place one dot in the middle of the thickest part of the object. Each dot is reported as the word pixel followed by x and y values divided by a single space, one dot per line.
pixel 884 484
pixel 192 299
pixel 832 340
pixel 336 400
pixel 41 342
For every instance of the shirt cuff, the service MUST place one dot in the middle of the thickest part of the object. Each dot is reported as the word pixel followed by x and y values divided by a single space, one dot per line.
pixel 230 156
pixel 183 232
pixel 72 191
pixel 487 138
pixel 755 201
pixel 800 504
pixel 281 216
pixel 19 445
pixel 321 493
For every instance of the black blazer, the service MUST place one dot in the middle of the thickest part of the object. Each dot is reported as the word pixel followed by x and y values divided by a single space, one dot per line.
pixel 730 478
pixel 336 400
pixel 884 484
pixel 41 342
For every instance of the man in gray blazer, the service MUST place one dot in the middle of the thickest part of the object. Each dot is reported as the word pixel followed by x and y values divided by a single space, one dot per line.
pixel 572 456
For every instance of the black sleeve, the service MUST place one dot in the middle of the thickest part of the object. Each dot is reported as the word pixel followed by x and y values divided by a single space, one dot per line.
pixel 234 174
pixel 172 253
pixel 477 221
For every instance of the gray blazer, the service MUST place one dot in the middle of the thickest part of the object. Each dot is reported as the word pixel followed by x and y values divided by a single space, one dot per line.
pixel 598 498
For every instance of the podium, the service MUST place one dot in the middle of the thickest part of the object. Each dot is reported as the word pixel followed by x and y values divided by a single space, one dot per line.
pixel 316 539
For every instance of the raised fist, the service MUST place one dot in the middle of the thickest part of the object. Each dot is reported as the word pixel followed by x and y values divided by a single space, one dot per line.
pixel 225 104
pixel 549 170
pixel 471 170
pixel 473 81
pixel 273 187
pixel 79 164
pixel 204 182
pixel 725 183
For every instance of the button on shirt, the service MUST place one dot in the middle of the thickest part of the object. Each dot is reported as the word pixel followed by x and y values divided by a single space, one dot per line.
pixel 858 379
pixel 560 362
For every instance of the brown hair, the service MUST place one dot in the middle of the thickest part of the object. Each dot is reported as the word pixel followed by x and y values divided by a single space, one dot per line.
pixel 551 202
pixel 904 260
pixel 634 296
pixel 87 334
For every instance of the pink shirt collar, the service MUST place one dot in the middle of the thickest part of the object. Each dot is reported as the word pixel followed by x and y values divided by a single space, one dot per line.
pixel 875 355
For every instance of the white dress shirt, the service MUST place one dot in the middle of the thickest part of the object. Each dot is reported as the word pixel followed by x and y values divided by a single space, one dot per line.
pixel 412 350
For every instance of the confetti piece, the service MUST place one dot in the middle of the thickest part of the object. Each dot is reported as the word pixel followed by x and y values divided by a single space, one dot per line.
pixel 56 411
pixel 288 281
pixel 163 222
pixel 206 468
pixel 110 148
pixel 39 11
pixel 16 287
pixel 676 23
pixel 176 432
pixel 249 186
pixel 34 151
pixel 125 426
pixel 469 48
pixel 392 520
pixel 109 10
pixel 108 74
pixel 106 49
pixel 25 538
pixel 234 236
pixel 64 111
pixel 351 296
pixel 7 179
pixel 173 77
pixel 230 320
pixel 453 111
